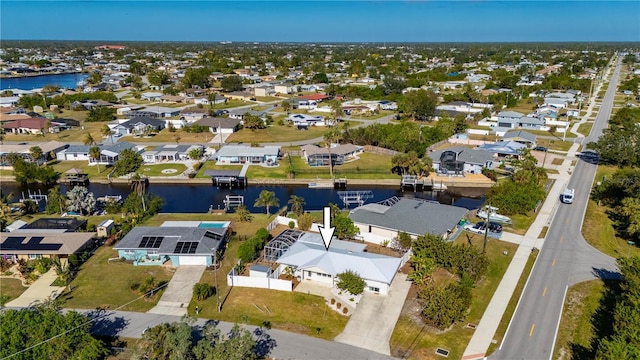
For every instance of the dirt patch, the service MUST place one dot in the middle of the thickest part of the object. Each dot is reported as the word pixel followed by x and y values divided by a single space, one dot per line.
pixel 382 250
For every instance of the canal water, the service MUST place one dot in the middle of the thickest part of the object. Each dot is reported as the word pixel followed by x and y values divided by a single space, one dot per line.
pixel 67 81
pixel 198 198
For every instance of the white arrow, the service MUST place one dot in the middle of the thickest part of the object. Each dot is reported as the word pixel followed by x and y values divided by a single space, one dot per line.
pixel 326 231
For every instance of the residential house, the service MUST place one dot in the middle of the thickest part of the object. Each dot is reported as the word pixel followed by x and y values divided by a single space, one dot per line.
pixel 383 221
pixel 109 154
pixel 28 245
pixel 138 126
pixel 460 106
pixel 193 113
pixel 505 148
pixel 529 122
pixel 239 95
pixel 9 101
pixel 509 119
pixel 459 160
pixel 48 148
pixel 241 154
pixel 264 91
pixel 169 153
pixel 240 113
pixel 153 112
pixel 303 120
pixel 182 245
pixel 220 125
pixel 151 96
pixel 309 260
pixel 172 99
pixel 33 125
pixel 284 89
pixel 303 103
pixel 319 156
pixel 388 105
pixel 522 137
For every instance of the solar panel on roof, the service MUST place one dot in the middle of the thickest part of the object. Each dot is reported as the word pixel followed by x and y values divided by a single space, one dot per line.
pixel 151 242
pixel 186 247
pixel 212 235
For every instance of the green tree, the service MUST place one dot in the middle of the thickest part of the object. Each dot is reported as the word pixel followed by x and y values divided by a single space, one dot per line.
pixel 29 207
pixel 56 202
pixel 89 140
pixel 158 78
pixel 105 131
pixel 320 78
pixel 36 332
pixel 94 154
pixel 305 221
pixel 36 153
pixel 203 291
pixel 101 114
pixel 351 281
pixel 231 83
pixel 297 203
pixel 286 105
pixel 411 164
pixel 128 162
pixel 243 214
pixel 139 185
pixel 345 228
pixel 94 79
pixel 196 153
pixel 80 200
pixel 253 122
pixel 267 199
pixel 420 104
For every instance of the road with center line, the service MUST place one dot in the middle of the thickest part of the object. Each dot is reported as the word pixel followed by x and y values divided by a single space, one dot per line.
pixel 565 259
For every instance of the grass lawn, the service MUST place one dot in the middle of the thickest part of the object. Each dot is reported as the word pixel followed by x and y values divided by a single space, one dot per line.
pixel 511 307
pixel 576 330
pixel 368 166
pixel 379 115
pixel 64 166
pixel 273 172
pixel 157 169
pixel 585 128
pixel 523 107
pixel 598 228
pixel 4 172
pixel 170 137
pixel 558 135
pixel 268 98
pixel 107 284
pixel 211 165
pixel 277 133
pixel 10 289
pixel 241 229
pixel 290 311
pixel 520 223
pixel 410 334
pixel 232 103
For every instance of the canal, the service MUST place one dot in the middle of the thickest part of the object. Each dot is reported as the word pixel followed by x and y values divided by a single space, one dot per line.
pixel 198 198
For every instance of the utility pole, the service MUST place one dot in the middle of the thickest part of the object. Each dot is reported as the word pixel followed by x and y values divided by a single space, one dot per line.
pixel 215 258
pixel 486 228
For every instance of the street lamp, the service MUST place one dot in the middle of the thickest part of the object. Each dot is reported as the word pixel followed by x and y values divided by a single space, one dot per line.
pixel 486 226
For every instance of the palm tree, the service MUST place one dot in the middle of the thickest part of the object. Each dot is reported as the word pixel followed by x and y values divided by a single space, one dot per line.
pixel 88 139
pixel 139 185
pixel 106 131
pixel 1 138
pixel 267 199
pixel 329 137
pixel 94 153
pixel 5 202
pixel 296 204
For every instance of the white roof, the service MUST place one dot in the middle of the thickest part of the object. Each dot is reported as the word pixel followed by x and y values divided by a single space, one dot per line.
pixel 304 255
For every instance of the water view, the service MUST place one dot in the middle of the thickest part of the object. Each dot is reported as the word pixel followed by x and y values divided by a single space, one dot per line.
pixel 67 81
pixel 199 198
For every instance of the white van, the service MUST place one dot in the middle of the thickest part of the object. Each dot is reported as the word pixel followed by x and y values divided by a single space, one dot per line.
pixel 567 196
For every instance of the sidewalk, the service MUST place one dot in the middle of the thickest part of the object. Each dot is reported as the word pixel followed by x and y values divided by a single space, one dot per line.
pixel 39 291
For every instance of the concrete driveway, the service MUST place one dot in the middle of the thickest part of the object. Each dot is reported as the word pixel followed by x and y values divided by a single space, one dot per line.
pixel 375 317
pixel 177 295
pixel 39 291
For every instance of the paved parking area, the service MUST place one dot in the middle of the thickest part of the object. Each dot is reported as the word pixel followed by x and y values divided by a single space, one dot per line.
pixel 177 295
pixel 375 317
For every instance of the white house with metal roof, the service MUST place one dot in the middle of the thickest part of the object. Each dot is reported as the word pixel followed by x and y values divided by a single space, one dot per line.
pixel 383 221
pixel 241 154
pixel 460 159
pixel 310 261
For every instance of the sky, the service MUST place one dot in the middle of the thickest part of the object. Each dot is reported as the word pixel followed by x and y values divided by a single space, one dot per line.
pixel 322 21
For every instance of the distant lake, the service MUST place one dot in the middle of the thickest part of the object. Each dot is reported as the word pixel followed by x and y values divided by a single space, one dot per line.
pixel 67 81
pixel 197 198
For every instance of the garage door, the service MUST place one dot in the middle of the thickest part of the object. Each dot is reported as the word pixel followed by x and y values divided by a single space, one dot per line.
pixel 192 260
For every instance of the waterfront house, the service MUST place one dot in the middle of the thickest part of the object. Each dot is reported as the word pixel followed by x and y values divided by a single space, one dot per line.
pixel 241 154
pixel 305 255
pixel 169 153
pixel 504 148
pixel 459 160
pixel 29 244
pixel 138 126
pixel 183 245
pixel 48 148
pixel 319 156
pixel 109 154
pixel 383 221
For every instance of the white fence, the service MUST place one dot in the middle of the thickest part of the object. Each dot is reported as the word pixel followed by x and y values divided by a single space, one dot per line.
pixel 478 131
pixel 261 283
pixel 468 141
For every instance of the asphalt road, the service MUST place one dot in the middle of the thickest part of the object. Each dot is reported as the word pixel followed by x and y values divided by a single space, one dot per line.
pixel 276 344
pixel 565 259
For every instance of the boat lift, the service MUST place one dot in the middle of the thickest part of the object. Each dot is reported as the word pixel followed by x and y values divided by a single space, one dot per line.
pixel 355 197
pixel 35 196
pixel 233 201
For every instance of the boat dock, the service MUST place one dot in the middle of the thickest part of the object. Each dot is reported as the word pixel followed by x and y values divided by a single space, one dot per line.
pixel 228 178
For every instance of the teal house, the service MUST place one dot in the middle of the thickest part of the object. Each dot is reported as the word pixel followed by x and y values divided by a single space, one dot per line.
pixel 148 245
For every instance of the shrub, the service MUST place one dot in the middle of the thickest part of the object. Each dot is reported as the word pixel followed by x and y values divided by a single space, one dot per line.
pixel 345 310
pixel 292 224
pixel 351 282
pixel 333 301
pixel 305 221
pixel 339 305
pixel 202 291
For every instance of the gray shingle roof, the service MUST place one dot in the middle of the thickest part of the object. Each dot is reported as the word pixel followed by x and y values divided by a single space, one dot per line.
pixel 465 154
pixel 144 120
pixel 172 235
pixel 413 216
pixel 520 134
pixel 512 114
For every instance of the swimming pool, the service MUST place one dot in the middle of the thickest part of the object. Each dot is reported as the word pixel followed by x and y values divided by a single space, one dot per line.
pixel 214 224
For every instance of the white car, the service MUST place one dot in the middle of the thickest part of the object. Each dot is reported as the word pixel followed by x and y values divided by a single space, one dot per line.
pixel 475 228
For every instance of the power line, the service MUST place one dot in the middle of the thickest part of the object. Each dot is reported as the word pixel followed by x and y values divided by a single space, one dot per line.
pixel 84 323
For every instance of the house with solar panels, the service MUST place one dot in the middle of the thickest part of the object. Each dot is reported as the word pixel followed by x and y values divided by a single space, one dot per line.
pixel 181 243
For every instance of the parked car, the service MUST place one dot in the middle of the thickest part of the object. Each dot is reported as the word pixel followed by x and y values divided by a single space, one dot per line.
pixel 475 228
pixel 540 148
pixel 493 226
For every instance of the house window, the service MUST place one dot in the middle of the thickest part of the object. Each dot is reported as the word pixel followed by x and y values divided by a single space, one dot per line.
pixel 35 256
pixel 369 228
pixel 129 252
pixel 374 289
pixel 309 273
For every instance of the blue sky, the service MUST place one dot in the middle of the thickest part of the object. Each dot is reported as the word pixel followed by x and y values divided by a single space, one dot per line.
pixel 322 21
